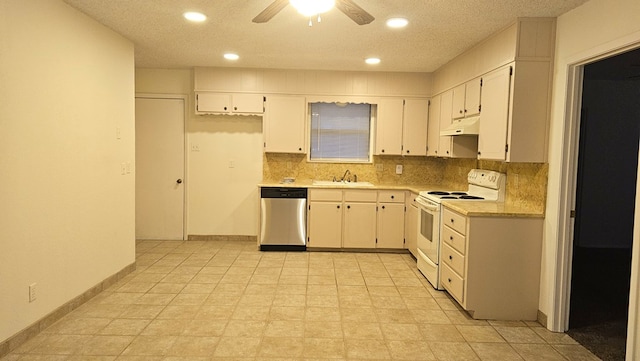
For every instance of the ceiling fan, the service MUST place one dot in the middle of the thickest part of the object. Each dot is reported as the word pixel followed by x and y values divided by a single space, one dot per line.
pixel 348 7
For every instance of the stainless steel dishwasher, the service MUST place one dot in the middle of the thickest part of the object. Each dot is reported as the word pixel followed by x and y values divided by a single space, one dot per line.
pixel 283 219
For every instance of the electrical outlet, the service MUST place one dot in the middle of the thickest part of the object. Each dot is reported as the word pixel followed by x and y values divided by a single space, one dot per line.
pixel 195 147
pixel 32 292
pixel 232 164
pixel 118 133
pixel 379 167
pixel 399 169
pixel 123 168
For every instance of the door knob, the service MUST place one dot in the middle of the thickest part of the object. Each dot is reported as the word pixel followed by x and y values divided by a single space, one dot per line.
pixel 179 181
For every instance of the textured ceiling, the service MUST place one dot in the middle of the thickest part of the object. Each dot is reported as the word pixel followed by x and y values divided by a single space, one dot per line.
pixel 438 31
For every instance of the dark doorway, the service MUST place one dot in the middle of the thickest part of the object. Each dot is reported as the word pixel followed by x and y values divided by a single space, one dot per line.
pixel 605 204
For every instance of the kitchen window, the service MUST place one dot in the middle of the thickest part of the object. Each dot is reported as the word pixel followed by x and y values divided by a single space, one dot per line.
pixel 340 132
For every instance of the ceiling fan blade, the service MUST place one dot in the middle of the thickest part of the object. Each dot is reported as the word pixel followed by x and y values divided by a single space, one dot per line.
pixel 270 11
pixel 355 12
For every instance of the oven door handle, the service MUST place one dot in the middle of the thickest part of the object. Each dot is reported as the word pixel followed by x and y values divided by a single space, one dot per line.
pixel 427 205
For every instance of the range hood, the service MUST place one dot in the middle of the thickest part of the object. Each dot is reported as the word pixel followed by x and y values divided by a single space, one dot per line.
pixel 466 126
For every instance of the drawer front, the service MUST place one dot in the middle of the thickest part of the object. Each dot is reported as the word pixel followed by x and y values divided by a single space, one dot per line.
pixel 452 259
pixel 391 196
pixel 333 195
pixel 454 220
pixel 452 283
pixel 454 239
pixel 357 195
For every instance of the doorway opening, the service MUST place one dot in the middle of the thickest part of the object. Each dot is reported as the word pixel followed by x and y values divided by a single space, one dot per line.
pixel 605 204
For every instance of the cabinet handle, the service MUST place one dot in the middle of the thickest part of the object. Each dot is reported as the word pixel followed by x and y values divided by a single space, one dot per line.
pixel 382 207
pixel 451 257
pixel 451 220
pixel 348 207
pixel 460 111
pixel 479 153
pixel 235 108
pixel 338 207
pixel 383 151
pixel 449 279
pixel 451 238
pixel 407 151
pixel 392 197
pixel 300 149
pixel 465 110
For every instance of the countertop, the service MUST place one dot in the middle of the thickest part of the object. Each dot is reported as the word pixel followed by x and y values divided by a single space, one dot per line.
pixel 467 208
pixel 492 209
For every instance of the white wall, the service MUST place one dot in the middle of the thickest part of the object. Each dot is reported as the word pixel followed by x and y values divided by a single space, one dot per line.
pixel 221 200
pixel 591 30
pixel 66 83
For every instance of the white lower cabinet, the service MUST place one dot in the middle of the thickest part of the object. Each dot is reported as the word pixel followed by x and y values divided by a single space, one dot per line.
pixel 491 264
pixel 390 219
pixel 411 223
pixel 356 218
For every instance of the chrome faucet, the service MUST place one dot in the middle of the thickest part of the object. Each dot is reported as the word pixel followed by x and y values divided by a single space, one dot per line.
pixel 345 176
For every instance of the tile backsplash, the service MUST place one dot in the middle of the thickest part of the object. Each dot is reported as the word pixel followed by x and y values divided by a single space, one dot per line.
pixel 526 182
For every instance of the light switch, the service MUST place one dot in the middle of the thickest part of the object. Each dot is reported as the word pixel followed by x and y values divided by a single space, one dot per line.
pixel 399 169
pixel 118 133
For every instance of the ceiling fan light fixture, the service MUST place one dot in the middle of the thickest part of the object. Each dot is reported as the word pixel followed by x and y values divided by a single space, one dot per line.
pixel 372 61
pixel 312 7
pixel 397 22
pixel 195 16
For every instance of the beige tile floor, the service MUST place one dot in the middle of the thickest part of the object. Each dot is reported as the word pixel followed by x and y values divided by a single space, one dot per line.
pixel 227 301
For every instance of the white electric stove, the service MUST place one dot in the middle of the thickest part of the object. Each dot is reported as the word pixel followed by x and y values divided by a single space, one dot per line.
pixel 484 185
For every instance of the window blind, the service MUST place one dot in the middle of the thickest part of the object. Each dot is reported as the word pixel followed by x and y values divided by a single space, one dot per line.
pixel 340 132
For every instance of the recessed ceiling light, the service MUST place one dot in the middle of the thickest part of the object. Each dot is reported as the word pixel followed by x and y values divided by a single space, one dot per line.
pixel 231 56
pixel 372 61
pixel 397 22
pixel 195 16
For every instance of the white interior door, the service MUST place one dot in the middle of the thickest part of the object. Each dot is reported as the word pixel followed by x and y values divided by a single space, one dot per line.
pixel 160 168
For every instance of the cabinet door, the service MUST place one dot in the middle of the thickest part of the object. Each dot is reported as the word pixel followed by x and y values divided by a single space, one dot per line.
pixel 414 128
pixel 389 127
pixel 248 103
pixel 411 226
pixel 472 97
pixel 213 103
pixel 325 224
pixel 284 124
pixel 433 130
pixel 390 225
pixel 458 94
pixel 492 137
pixel 359 225
pixel 446 104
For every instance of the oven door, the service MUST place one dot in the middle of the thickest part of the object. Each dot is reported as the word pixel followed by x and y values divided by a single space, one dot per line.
pixel 429 240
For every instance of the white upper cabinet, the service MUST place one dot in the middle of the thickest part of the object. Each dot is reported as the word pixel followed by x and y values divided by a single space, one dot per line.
pixel 492 138
pixel 446 110
pixel 515 112
pixel 229 103
pixel 466 99
pixel 284 124
pixel 433 128
pixel 447 146
pixel 389 126
pixel 414 127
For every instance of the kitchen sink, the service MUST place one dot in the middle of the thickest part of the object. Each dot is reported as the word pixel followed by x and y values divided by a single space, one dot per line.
pixel 341 184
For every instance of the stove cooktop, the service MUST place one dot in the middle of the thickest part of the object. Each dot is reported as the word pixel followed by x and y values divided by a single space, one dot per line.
pixel 452 195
